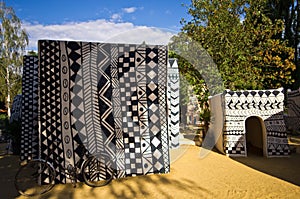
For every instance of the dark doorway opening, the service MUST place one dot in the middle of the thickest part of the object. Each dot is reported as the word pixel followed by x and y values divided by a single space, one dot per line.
pixel 255 136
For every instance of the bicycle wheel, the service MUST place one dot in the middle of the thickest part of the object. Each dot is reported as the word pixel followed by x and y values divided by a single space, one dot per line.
pixel 96 173
pixel 34 178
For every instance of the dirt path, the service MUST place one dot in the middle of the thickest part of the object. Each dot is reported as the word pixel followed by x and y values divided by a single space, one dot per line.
pixel 215 176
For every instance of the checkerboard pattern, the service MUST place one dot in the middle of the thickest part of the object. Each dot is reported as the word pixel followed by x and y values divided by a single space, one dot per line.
pixel 109 98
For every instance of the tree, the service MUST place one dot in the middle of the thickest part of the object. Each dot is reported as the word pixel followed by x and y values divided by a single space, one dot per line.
pixel 13 40
pixel 288 11
pixel 34 53
pixel 239 38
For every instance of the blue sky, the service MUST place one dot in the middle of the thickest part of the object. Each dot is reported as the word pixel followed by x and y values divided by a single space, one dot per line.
pixel 97 20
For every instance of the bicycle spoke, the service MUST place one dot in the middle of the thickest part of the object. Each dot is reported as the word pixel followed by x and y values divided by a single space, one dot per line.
pixel 34 178
pixel 95 172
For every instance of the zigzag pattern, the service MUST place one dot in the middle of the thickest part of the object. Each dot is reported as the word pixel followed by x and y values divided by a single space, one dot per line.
pixel 98 95
pixel 105 101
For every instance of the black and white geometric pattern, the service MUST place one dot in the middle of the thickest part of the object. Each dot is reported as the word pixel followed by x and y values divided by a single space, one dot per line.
pixel 50 102
pixel 16 109
pixel 268 105
pixel 29 134
pixel 109 98
pixel 173 103
pixel 292 118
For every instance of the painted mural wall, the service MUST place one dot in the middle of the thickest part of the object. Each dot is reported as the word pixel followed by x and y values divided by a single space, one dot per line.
pixel 237 107
pixel 29 131
pixel 293 111
pixel 109 97
pixel 173 103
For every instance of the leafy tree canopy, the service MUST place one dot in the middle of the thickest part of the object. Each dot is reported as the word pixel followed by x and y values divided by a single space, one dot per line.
pixel 240 39
pixel 13 40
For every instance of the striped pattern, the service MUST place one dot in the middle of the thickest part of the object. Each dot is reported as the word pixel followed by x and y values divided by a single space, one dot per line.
pixel 104 98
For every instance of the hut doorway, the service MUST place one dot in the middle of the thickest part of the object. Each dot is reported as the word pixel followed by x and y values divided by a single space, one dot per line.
pixel 255 136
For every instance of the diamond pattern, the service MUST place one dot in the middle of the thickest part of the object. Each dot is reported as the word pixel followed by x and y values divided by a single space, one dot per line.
pixel 108 98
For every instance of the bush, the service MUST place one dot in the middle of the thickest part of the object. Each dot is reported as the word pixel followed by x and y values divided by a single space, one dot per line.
pixel 3 127
pixel 11 131
pixel 14 131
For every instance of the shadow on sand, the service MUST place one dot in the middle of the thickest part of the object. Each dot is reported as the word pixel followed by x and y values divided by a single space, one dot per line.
pixel 128 188
pixel 149 186
pixel 285 168
pixel 9 165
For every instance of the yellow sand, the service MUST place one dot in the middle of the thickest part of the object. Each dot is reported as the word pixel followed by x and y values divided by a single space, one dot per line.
pixel 214 176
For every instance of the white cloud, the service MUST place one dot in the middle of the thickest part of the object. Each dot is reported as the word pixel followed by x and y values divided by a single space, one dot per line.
pixel 97 31
pixel 116 17
pixel 129 10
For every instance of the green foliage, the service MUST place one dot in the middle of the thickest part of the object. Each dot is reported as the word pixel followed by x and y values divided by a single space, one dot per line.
pixel 287 11
pixel 4 123
pixel 239 38
pixel 233 45
pixel 191 77
pixel 32 53
pixel 13 40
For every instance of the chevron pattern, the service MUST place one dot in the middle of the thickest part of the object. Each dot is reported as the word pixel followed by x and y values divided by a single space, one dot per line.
pixel 108 98
pixel 173 103
pixel 265 104
pixel 90 98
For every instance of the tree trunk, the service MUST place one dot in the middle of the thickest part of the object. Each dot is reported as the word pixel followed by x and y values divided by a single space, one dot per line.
pixel 296 47
pixel 8 92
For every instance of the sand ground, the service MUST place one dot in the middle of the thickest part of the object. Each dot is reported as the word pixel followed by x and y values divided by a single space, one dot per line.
pixel 214 176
